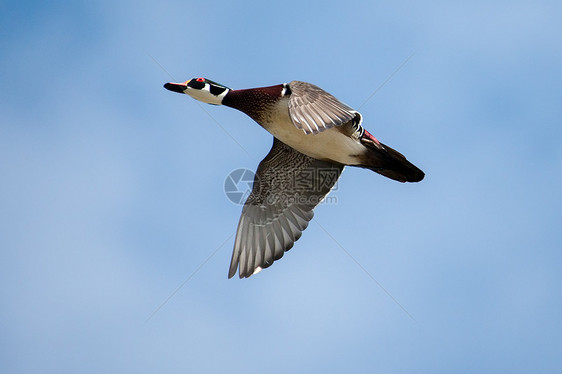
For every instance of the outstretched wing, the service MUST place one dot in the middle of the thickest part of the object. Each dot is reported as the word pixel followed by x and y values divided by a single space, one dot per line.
pixel 314 110
pixel 287 187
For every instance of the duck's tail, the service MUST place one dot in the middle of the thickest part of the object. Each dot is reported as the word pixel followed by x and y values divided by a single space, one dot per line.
pixel 386 161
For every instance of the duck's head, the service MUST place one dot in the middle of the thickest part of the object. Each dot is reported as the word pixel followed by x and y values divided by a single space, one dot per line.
pixel 201 89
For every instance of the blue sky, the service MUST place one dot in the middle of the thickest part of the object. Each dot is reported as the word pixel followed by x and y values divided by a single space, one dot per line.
pixel 112 190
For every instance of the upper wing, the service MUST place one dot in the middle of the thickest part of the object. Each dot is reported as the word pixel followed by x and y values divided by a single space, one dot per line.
pixel 287 187
pixel 313 110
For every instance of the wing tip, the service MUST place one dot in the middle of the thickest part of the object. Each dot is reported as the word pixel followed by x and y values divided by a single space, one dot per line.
pixel 232 270
pixel 241 275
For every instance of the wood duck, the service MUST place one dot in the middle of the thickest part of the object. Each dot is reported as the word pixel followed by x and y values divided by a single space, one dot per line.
pixel 315 136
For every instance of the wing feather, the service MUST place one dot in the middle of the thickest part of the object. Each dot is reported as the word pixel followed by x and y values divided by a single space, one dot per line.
pixel 279 207
pixel 314 110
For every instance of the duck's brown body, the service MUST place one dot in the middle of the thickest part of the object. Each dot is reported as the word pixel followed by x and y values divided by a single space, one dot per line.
pixel 345 144
pixel 338 144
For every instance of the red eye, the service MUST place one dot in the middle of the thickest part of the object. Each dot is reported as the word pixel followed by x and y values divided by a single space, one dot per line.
pixel 200 79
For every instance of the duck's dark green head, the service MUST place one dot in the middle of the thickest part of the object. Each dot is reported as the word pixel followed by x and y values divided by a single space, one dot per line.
pixel 201 89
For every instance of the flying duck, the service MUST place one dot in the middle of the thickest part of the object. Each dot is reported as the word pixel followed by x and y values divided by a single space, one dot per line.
pixel 314 137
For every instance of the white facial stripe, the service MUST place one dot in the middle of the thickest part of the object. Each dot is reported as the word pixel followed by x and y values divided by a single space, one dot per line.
pixel 205 95
pixel 222 95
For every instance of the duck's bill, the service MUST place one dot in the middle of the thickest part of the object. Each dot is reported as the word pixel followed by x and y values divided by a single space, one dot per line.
pixel 176 87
